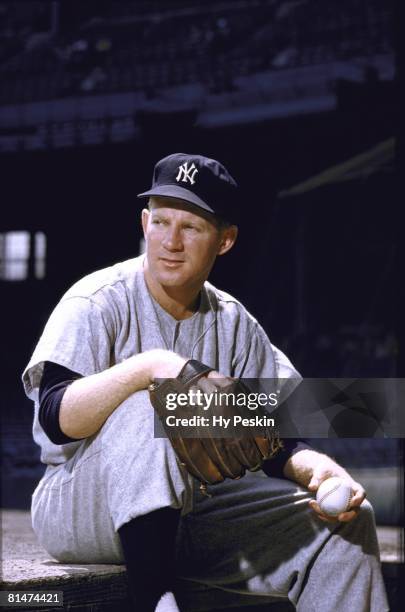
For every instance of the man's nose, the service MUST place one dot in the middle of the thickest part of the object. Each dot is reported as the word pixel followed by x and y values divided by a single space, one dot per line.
pixel 172 240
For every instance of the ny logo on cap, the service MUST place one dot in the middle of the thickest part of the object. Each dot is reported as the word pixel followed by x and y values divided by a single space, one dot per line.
pixel 187 174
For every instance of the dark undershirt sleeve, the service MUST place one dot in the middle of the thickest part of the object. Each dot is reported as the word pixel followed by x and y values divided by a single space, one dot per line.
pixel 274 467
pixel 55 380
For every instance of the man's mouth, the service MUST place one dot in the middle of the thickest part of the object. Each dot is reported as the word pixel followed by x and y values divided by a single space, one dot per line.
pixel 171 263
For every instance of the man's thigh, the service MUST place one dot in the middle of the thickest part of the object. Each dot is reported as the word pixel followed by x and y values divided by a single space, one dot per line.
pixel 256 535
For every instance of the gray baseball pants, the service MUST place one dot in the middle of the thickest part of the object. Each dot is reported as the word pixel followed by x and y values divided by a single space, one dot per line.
pixel 255 535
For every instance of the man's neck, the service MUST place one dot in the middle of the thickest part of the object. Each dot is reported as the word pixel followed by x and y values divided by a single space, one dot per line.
pixel 179 303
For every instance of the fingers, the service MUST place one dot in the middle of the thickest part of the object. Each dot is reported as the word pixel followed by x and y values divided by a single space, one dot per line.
pixel 359 495
pixel 320 473
pixel 210 388
pixel 212 382
pixel 321 515
pixel 222 380
pixel 343 517
pixel 208 385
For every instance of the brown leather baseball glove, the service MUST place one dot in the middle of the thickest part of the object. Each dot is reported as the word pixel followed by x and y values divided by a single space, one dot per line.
pixel 202 448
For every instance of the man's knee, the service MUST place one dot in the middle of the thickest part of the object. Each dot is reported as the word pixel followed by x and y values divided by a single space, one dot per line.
pixel 140 471
pixel 366 517
pixel 366 512
pixel 131 428
pixel 129 436
pixel 362 530
pixel 133 413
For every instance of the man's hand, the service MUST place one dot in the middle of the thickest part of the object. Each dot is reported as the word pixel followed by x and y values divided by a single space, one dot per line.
pixel 320 473
pixel 309 468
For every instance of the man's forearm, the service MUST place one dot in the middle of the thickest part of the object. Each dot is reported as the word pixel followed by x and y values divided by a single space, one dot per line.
pixel 89 401
pixel 300 467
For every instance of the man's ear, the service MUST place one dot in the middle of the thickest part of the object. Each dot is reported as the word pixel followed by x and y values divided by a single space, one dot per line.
pixel 144 219
pixel 228 239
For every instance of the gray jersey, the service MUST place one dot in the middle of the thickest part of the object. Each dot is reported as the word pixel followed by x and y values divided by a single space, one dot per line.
pixel 109 315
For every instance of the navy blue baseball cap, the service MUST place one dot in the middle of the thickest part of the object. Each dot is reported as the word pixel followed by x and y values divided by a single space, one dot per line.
pixel 199 180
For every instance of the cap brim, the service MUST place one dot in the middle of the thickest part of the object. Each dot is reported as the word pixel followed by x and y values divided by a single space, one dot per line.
pixel 175 191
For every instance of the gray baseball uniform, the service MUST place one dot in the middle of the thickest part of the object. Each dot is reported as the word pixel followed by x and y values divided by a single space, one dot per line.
pixel 255 535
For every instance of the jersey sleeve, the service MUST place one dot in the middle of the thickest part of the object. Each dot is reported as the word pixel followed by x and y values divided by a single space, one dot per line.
pixel 77 336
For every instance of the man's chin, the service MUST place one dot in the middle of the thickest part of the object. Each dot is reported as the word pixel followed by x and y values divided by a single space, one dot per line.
pixel 171 279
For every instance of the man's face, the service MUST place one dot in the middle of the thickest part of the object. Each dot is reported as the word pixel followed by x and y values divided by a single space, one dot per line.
pixel 181 245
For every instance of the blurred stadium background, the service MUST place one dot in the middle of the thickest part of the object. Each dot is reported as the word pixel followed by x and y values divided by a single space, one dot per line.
pixel 296 97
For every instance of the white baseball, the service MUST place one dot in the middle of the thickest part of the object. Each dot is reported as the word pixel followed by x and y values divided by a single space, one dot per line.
pixel 334 495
